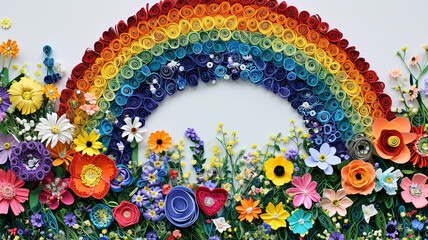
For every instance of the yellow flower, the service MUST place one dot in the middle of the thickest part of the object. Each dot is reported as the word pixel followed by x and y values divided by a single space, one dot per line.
pixel 88 143
pixel 278 170
pixel 26 95
pixel 275 216
pixel 6 23
pixel 404 49
pixel 51 92
pixel 9 48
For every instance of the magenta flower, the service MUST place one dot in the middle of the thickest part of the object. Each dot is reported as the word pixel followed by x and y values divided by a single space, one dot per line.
pixel 55 191
pixel 6 145
pixel 305 191
pixel 415 191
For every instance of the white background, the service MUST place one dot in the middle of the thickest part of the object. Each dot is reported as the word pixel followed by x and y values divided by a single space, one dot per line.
pixel 377 28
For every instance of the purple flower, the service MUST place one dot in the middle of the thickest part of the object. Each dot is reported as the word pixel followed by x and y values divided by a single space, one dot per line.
pixel 291 154
pixel 391 231
pixel 337 236
pixel 2 115
pixel 140 199
pixel 156 193
pixel 248 157
pixel 149 174
pixel 4 100
pixel 214 238
pixel 159 205
pixel 210 185
pixel 31 161
pixel 69 219
pixel 151 236
pixel 123 179
pixel 36 220
pixel 324 159
pixel 153 214
pixel 6 146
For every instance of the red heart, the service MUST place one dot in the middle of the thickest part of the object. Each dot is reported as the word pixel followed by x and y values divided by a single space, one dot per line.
pixel 210 202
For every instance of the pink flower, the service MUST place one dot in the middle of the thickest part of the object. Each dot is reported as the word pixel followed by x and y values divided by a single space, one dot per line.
pixel 126 214
pixel 305 191
pixel 11 193
pixel 2 115
pixel 414 60
pixel 336 202
pixel 90 98
pixel 395 73
pixel 90 109
pixel 413 92
pixel 176 234
pixel 54 191
pixel 415 191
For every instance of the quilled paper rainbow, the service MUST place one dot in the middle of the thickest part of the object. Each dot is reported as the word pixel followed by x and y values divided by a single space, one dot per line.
pixel 172 44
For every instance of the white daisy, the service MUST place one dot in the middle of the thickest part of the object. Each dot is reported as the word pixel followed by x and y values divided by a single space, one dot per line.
pixel 221 224
pixel 133 130
pixel 53 129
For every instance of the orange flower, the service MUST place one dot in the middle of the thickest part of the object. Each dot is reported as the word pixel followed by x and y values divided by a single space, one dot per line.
pixel 159 141
pixel 248 210
pixel 51 92
pixel 414 60
pixel 358 178
pixel 9 48
pixel 62 154
pixel 391 139
pixel 91 175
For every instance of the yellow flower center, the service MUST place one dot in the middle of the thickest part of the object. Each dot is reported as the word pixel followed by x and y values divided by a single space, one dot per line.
pixel 55 129
pixel 322 157
pixel 152 177
pixel 388 179
pixel 139 199
pixel 275 216
pixel 335 202
pixel 6 146
pixel 394 141
pixel 152 213
pixel 127 214
pixel 134 130
pixel 161 204
pixel 27 95
pixel 91 175
pixel 119 178
pixel 1 100
pixel 158 164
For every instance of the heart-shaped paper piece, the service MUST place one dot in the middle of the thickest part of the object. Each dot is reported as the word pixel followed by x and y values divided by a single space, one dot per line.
pixel 210 201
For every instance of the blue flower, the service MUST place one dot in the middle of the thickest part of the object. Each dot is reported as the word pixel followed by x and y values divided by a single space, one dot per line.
pixel 268 228
pixel 324 159
pixel 417 226
pixel 101 216
pixel 387 180
pixel 123 179
pixel 300 221
pixel 140 199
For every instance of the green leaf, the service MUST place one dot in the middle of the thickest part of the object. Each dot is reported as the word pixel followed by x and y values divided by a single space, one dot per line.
pixel 277 147
pixel 407 171
pixel 34 196
pixel 306 146
pixel 135 154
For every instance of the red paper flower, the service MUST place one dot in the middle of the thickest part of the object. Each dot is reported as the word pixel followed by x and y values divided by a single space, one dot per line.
pixel 126 214
pixel 391 139
pixel 419 148
pixel 165 189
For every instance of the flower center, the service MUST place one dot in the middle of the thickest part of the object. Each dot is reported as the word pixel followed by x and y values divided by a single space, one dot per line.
pixel 7 190
pixel 88 144
pixel 1 100
pixel 305 192
pixel 209 201
pixel 55 129
pixel 127 214
pixel 159 141
pixel 161 204
pixel 62 155
pixel 119 178
pixel 134 130
pixel 394 141
pixel 220 225
pixel 6 146
pixel 388 179
pixel 151 177
pixel 32 163
pixel 275 216
pixel 249 210
pixel 415 190
pixel 422 145
pixel 51 92
pixel 322 157
pixel 301 221
pixel 158 164
pixel 358 176
pixel 390 228
pixel 367 212
pixel 8 49
pixel 27 95
pixel 152 213
pixel 335 202
pixel 279 171
pixel 91 175
pixel 139 199
pixel 411 92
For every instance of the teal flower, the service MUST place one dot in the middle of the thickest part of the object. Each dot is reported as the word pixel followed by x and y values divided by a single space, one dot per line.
pixel 388 180
pixel 300 221
pixel 101 216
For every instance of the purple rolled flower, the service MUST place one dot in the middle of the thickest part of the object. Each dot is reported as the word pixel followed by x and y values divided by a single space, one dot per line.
pixel 123 179
pixel 69 219
pixel 4 100
pixel 337 236
pixel 36 220
pixel 181 207
pixel 31 161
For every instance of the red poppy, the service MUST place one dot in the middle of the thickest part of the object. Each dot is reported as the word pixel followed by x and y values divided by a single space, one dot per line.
pixel 173 173
pixel 166 188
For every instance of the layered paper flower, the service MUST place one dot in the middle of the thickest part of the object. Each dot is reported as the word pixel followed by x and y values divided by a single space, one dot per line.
pixel 300 221
pixel 133 130
pixel 88 144
pixel 51 92
pixel 4 100
pixel 159 142
pixel 275 216
pixel 55 191
pixel 126 214
pixel 221 224
pixel 358 177
pixel 26 95
pixel 305 191
pixel 91 176
pixel 415 191
pixel 123 179
pixel 11 193
pixel 61 154
pixel 278 170
pixel 391 139
pixel 53 129
pixel 9 48
pixel 6 146
pixel 387 180
pixel 335 202
pixel 419 147
pixel 248 210
pixel 324 159
pixel 181 207
pixel 101 216
pixel 368 211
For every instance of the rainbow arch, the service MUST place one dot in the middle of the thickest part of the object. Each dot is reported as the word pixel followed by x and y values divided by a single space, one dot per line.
pixel 175 44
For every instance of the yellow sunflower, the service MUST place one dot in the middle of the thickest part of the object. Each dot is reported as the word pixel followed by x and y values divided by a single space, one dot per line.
pixel 26 95
pixel 51 92
pixel 88 143
pixel 279 170
pixel 275 216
